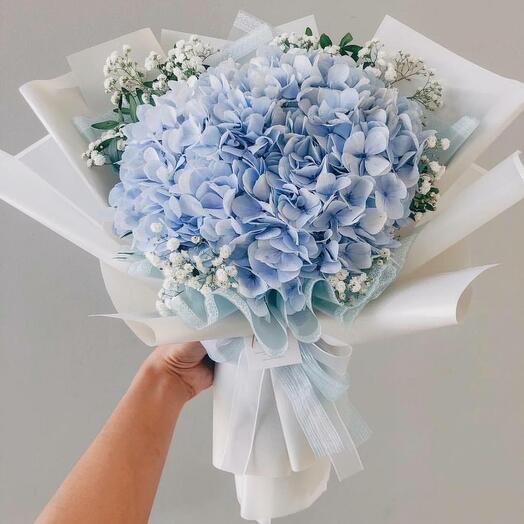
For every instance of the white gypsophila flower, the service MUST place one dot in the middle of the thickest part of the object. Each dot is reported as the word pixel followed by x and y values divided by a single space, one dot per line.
pixel 221 275
pixel 231 271
pixel 390 74
pixel 332 280
pixel 434 166
pixel 153 259
pixel 340 286
pixel 332 49
pixel 98 159
pixel 156 227
pixel 445 143
pixel 355 285
pixel 176 258
pixel 431 141
pixel 425 187
pixel 225 251
pixel 115 98
pixel 342 274
pixel 173 244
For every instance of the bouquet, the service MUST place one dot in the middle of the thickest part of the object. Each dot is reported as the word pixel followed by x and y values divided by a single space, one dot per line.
pixel 278 196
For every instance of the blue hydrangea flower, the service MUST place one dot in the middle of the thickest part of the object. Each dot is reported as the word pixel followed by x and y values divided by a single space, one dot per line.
pixel 301 162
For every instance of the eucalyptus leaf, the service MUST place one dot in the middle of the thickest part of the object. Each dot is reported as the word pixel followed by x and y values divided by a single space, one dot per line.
pixel 105 143
pixel 353 50
pixel 107 124
pixel 112 151
pixel 309 31
pixel 325 41
pixel 346 39
pixel 132 106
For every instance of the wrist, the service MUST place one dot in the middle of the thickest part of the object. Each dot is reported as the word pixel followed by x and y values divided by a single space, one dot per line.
pixel 155 370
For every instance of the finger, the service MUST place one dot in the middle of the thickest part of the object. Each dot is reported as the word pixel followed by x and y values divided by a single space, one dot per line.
pixel 186 353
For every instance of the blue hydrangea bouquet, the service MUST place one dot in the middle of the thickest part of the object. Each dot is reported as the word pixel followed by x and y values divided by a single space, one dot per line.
pixel 276 195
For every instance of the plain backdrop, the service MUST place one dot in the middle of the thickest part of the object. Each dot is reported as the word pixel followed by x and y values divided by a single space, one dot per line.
pixel 446 406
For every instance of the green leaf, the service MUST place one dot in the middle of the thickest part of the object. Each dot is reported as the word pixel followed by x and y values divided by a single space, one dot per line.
pixel 132 105
pixel 107 124
pixel 105 143
pixel 325 41
pixel 346 39
pixel 309 31
pixel 139 94
pixel 353 50
pixel 111 150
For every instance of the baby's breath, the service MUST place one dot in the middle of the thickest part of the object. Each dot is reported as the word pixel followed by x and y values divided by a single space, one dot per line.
pixel 205 271
pixel 431 171
pixel 350 286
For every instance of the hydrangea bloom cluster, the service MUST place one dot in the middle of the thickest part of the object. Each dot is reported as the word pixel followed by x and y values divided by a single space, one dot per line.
pixel 301 163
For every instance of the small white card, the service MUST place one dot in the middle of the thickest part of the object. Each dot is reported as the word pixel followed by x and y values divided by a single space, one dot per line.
pixel 258 358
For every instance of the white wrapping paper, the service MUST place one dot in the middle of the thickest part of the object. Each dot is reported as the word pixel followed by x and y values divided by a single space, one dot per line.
pixel 467 210
pixel 469 90
pixel 27 191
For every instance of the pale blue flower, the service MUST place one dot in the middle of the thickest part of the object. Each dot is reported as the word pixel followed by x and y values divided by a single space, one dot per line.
pixel 301 162
pixel 365 153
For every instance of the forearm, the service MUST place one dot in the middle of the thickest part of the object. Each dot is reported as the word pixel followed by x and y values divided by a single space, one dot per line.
pixel 116 479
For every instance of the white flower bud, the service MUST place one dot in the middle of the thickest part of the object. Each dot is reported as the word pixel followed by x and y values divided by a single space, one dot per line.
pixel 176 259
pixel 424 187
pixel 445 143
pixel 156 227
pixel 434 166
pixel 341 286
pixel 231 271
pixel 431 141
pixel 153 259
pixel 173 244
pixel 390 75
pixel 221 275
pixel 342 274
pixel 225 251
pixel 98 159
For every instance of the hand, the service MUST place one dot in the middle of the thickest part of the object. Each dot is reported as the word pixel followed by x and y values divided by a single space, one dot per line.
pixel 188 363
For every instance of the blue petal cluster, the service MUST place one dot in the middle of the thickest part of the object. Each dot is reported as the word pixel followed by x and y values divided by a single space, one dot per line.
pixel 301 162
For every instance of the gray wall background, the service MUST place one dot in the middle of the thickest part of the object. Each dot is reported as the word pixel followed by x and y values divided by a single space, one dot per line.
pixel 446 407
